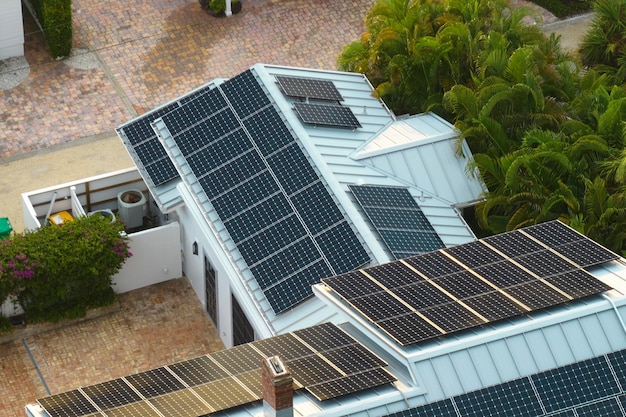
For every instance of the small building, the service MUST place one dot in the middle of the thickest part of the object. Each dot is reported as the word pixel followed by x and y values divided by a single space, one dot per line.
pixel 276 178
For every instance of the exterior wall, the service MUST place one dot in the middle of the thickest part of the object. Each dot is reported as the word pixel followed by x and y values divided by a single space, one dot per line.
pixel 156 258
pixel 11 29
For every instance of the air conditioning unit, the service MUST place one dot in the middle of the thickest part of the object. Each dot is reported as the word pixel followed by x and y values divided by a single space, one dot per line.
pixel 131 205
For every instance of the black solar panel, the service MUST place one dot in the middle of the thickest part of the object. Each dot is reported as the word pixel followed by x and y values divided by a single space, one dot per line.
pixel 286 346
pixel 239 359
pixel 245 94
pixel 257 217
pixel 379 306
pixel 295 288
pixel 393 275
pixel 400 222
pixel 618 363
pixel 269 131
pixel 316 208
pixel 464 287
pixel 585 253
pixel 326 115
pixel 421 295
pixel 350 383
pixel 324 337
pixel 515 398
pixel 463 284
pixel 285 262
pixel 443 408
pixel 409 329
pixel 312 369
pixel 474 254
pixel 607 408
pixel 309 88
pixel 111 394
pixel 575 384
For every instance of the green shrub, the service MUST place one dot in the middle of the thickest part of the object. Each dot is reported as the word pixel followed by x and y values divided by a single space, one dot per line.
pixel 55 17
pixel 61 271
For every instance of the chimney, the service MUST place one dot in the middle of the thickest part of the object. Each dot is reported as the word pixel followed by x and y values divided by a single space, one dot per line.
pixel 277 388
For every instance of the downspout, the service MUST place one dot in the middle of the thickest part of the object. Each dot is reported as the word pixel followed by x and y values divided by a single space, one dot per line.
pixel 616 311
pixel 229 9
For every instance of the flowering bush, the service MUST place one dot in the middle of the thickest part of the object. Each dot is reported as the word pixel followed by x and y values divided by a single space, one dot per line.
pixel 61 271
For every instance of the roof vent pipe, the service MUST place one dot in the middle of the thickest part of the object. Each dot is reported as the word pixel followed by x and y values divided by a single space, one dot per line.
pixel 277 388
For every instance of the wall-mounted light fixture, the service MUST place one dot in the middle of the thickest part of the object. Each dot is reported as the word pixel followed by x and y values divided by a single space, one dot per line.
pixel 194 248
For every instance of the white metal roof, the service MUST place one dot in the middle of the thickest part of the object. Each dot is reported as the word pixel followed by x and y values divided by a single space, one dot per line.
pixel 339 157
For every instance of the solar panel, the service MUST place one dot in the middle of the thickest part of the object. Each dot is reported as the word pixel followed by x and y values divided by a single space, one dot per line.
pixel 443 408
pixel 239 359
pixel 400 222
pixel 245 94
pixel 425 296
pixel 312 369
pixel 354 358
pixel 326 115
pixel 409 329
pixel 350 384
pixel 67 404
pixel 286 346
pixel 324 337
pixel 198 371
pixel 180 404
pixel 617 360
pixel 378 306
pixel 575 384
pixel 474 254
pixel 224 393
pixel 154 382
pixel 295 288
pixel 111 394
pixel 515 398
pixel 393 275
pixel 586 253
pixel 142 408
pixel 607 408
pixel 309 88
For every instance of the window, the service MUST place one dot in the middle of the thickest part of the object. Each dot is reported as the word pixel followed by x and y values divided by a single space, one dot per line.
pixel 210 290
pixel 242 329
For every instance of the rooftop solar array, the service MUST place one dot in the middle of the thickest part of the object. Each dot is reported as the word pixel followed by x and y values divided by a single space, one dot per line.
pixel 324 360
pixel 400 222
pixel 449 290
pixel 326 115
pixel 141 139
pixel 279 213
pixel 309 88
pixel 591 388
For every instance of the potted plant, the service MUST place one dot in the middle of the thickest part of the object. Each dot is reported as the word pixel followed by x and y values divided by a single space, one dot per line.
pixel 218 7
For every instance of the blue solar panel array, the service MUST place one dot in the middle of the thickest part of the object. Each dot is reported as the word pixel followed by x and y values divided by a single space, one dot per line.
pixel 402 225
pixel 584 389
pixel 280 215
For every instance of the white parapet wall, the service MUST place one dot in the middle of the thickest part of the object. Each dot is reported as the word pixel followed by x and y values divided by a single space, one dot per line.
pixel 156 258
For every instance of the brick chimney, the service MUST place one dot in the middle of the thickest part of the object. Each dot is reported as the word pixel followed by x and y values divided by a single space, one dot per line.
pixel 277 388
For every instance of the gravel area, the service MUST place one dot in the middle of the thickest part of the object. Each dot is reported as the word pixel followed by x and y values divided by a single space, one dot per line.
pixel 82 59
pixel 13 71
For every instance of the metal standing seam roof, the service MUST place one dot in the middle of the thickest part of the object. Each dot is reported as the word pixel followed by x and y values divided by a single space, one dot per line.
pixel 331 151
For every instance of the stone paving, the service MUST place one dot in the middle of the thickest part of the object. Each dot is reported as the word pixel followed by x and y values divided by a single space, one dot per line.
pixel 152 52
pixel 153 326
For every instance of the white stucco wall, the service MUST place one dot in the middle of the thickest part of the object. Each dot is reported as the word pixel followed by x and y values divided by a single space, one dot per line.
pixel 11 29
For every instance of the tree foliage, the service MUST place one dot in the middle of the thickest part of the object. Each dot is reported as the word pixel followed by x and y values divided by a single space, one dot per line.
pixel 547 134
